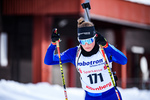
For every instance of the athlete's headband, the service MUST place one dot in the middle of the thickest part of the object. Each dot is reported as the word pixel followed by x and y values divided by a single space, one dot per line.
pixel 86 32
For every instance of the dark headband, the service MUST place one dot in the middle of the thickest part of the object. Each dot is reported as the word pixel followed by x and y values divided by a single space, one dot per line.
pixel 86 32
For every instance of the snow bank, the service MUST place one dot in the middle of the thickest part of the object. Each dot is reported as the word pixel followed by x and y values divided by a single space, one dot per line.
pixel 11 90
pixel 135 94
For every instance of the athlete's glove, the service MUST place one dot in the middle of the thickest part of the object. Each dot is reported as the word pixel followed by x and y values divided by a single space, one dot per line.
pixel 100 40
pixel 55 36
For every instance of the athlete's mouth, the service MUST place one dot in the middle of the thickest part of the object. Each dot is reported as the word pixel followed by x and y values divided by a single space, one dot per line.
pixel 88 48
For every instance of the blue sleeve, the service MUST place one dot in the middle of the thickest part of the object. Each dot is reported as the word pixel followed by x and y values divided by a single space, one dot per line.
pixel 66 56
pixel 115 55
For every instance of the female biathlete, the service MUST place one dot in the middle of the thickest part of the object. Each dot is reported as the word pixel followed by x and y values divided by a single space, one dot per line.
pixel 89 61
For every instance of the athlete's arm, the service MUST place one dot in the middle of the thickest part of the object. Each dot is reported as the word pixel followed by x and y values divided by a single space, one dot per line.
pixel 66 56
pixel 115 55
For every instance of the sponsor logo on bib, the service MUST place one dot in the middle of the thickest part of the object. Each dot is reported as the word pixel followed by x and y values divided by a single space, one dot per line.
pixel 100 87
pixel 91 63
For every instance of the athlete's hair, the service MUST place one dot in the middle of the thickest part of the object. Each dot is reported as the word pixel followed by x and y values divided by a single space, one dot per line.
pixel 82 23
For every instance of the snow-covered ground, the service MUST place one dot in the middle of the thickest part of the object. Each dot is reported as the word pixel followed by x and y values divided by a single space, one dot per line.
pixel 11 90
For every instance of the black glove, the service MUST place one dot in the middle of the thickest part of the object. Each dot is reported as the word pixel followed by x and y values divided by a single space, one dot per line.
pixel 100 40
pixel 55 36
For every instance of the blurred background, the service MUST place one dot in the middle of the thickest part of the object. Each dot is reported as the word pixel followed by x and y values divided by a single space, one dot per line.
pixel 25 34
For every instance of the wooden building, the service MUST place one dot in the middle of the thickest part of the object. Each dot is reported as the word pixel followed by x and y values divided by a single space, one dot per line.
pixel 28 24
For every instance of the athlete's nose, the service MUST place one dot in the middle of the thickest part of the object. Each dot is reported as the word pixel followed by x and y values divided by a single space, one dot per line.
pixel 86 44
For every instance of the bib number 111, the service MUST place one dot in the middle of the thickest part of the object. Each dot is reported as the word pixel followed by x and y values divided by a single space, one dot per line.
pixel 94 77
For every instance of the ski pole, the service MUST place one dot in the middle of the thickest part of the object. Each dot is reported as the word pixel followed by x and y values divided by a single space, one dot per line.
pixel 87 7
pixel 109 71
pixel 61 67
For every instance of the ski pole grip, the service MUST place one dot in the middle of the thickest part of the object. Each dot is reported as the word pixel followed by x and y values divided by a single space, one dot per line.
pixel 57 42
pixel 55 31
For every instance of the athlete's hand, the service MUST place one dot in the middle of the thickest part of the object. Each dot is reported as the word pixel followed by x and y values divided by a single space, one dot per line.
pixel 55 36
pixel 100 40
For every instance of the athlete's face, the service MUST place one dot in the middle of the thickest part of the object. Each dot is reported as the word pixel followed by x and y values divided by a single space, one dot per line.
pixel 88 47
